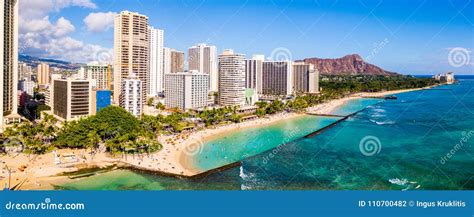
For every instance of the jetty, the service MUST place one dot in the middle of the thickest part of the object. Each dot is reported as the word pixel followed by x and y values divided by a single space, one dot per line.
pixel 438 89
pixel 380 97
pixel 206 173
pixel 325 115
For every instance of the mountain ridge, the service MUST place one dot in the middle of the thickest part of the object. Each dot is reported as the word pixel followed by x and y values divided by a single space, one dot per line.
pixel 352 64
pixel 34 61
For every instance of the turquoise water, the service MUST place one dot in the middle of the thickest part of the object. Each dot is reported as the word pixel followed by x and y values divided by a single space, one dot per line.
pixel 355 106
pixel 411 137
pixel 249 142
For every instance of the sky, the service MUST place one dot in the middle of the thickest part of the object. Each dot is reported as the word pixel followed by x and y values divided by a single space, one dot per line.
pixel 405 36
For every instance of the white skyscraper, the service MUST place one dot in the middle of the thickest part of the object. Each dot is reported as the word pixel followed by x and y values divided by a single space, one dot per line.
pixel 8 62
pixel 186 90
pixel 131 96
pixel 203 58
pixel 156 61
pixel 167 60
pixel 231 79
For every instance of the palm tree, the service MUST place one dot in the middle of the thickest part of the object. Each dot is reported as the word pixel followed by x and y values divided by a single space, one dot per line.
pixel 93 140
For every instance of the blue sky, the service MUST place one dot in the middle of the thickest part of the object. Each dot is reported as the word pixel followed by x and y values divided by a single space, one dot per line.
pixel 406 36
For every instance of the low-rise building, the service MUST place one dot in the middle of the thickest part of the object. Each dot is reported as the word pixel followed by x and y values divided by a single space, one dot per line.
pixel 131 96
pixel 71 99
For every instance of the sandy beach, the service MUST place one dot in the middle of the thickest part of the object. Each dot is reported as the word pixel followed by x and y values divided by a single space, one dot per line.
pixel 41 171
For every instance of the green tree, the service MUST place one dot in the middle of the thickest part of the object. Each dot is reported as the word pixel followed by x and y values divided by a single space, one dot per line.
pixel 150 102
pixel 160 106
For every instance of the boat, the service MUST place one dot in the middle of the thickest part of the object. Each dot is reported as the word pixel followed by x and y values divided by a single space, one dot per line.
pixel 391 97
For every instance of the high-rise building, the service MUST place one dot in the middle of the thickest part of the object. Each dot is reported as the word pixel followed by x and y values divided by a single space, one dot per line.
pixel 100 73
pixel 167 60
pixel 445 78
pixel 27 85
pixel 177 61
pixel 72 98
pixel 49 92
pixel 231 79
pixel 253 72
pixel 186 90
pixel 306 78
pixel 24 71
pixel 156 61
pixel 43 74
pixel 173 61
pixel 277 78
pixel 131 48
pixel 8 62
pixel 131 98
pixel 203 58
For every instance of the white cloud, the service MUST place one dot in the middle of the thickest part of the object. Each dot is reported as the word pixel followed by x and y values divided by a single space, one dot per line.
pixel 63 27
pixel 80 3
pixel 99 22
pixel 34 9
pixel 43 37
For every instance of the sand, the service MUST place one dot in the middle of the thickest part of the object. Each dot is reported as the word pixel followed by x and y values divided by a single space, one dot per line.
pixel 40 171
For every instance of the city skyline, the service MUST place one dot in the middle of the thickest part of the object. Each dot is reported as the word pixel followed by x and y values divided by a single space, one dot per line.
pixel 415 41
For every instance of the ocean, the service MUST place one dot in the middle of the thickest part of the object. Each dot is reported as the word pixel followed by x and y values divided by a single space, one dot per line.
pixel 424 140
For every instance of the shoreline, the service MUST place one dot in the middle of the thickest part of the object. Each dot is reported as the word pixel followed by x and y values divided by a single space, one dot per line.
pixel 175 159
pixel 324 108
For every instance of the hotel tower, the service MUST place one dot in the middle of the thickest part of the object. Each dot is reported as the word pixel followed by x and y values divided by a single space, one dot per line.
pixel 131 47
pixel 203 58
pixel 9 62
pixel 156 61
pixel 277 78
pixel 231 79
pixel 253 72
